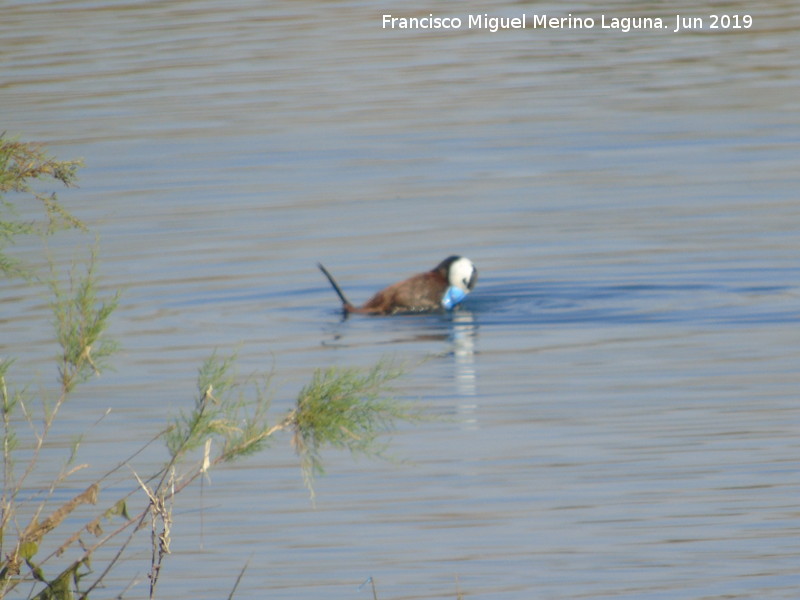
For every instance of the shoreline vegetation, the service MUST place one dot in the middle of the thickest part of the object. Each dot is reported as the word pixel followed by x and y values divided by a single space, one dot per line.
pixel 228 419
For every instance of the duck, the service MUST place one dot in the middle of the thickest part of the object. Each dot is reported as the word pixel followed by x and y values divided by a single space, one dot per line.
pixel 441 288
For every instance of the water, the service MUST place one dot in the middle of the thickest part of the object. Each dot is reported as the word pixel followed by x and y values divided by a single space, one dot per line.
pixel 620 389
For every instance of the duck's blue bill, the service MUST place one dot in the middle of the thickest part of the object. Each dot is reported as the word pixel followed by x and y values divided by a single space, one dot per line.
pixel 453 296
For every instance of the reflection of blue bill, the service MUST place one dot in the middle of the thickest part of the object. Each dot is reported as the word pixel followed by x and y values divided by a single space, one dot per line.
pixel 453 296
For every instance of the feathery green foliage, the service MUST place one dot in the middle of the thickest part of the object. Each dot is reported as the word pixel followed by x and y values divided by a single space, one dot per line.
pixel 20 164
pixel 340 408
pixel 221 412
pixel 80 320
pixel 346 409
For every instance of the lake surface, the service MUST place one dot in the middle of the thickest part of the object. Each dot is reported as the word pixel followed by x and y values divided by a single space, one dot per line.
pixel 621 388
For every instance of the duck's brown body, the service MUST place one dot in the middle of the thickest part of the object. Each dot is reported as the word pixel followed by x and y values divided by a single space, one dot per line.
pixel 420 293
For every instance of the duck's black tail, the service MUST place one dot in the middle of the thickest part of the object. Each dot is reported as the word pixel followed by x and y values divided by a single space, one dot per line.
pixel 345 302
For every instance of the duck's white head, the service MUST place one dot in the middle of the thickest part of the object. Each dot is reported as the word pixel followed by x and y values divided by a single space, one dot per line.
pixel 462 276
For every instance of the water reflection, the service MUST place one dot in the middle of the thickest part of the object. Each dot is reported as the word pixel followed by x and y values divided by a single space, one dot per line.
pixel 463 337
pixel 456 332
